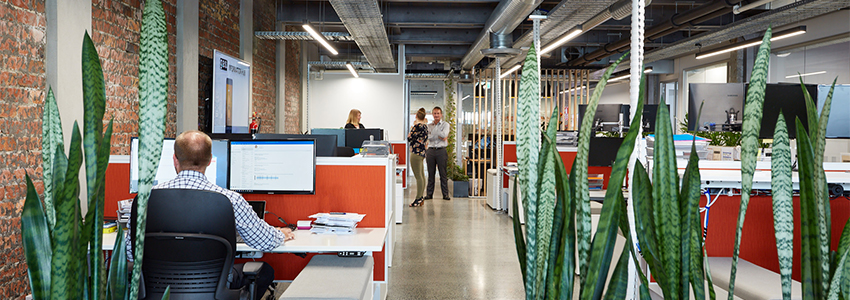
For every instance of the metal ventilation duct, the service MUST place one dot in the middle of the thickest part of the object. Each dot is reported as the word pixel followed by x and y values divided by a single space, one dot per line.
pixel 792 13
pixel 301 35
pixel 504 19
pixel 570 13
pixel 363 20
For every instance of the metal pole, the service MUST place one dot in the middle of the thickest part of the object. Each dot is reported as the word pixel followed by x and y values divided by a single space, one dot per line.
pixel 636 63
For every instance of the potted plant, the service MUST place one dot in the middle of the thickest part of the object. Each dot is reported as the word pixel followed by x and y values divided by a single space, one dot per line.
pixel 460 182
pixel 62 248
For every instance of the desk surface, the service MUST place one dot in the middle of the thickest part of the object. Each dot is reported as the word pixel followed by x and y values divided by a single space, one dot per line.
pixel 364 239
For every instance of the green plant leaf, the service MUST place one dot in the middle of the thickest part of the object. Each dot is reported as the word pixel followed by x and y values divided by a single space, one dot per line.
pixel 528 143
pixel 167 294
pixel 692 260
pixel 117 287
pixel 818 145
pixel 35 234
pixel 749 143
pixel 783 206
pixel 96 264
pixel 812 275
pixel 51 137
pixel 620 278
pixel 565 262
pixel 645 224
pixel 153 90
pixel 581 192
pixel 94 104
pixel 546 205
pixel 519 237
pixel 665 192
pixel 65 272
pixel 843 246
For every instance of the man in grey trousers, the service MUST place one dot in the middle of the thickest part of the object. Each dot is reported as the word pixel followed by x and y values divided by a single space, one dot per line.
pixel 436 156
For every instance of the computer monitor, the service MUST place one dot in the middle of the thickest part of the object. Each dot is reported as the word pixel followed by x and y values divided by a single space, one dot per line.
pixel 719 98
pixel 603 151
pixel 259 208
pixel 338 132
pixel 325 144
pixel 273 166
pixel 839 115
pixel 354 137
pixel 607 113
pixel 650 112
pixel 789 98
pixel 165 172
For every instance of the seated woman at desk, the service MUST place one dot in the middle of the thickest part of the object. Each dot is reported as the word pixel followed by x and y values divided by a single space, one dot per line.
pixel 354 120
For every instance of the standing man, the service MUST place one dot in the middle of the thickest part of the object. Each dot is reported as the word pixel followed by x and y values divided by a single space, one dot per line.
pixel 436 156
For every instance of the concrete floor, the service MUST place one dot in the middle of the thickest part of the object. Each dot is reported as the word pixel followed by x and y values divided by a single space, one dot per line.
pixel 457 249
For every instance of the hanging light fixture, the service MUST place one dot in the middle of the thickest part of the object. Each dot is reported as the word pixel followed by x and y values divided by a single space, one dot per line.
pixel 318 37
pixel 746 44
pixel 352 70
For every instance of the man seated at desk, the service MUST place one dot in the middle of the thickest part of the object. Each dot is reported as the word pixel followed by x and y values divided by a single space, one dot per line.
pixel 192 156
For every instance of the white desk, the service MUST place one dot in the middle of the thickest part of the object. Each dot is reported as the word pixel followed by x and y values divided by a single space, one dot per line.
pixel 363 240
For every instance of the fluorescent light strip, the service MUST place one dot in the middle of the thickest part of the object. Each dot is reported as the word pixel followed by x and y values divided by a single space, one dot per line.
pixel 562 40
pixel 797 31
pixel 511 70
pixel 321 39
pixel 352 70
pixel 572 89
pixel 619 78
pixel 805 74
pixel 647 70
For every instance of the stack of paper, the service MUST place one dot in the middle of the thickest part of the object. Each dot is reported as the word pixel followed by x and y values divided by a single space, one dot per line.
pixel 124 207
pixel 335 223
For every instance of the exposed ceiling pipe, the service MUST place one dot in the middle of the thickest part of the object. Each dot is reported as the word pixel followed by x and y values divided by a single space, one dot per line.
pixel 364 21
pixel 678 21
pixel 617 11
pixel 504 19
pixel 739 9
pixel 693 23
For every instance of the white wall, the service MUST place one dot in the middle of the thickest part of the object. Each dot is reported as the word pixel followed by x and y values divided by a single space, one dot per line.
pixel 379 97
pixel 615 93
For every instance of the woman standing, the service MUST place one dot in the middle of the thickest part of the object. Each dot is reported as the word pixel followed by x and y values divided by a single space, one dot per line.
pixel 354 120
pixel 417 139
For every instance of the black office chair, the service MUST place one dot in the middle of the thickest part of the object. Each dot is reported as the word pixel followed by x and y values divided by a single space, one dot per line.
pixel 190 242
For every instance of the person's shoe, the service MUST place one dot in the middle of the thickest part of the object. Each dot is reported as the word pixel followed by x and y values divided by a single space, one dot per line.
pixel 417 202
pixel 446 198
pixel 428 197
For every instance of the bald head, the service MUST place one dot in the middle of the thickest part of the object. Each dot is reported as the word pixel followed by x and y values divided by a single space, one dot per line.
pixel 192 151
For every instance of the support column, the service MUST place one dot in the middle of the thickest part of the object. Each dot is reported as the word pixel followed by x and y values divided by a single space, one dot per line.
pixel 67 22
pixel 280 83
pixel 187 65
pixel 246 42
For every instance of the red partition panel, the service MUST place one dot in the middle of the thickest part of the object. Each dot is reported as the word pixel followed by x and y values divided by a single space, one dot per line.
pixel 117 188
pixel 400 149
pixel 360 189
pixel 758 240
pixel 509 152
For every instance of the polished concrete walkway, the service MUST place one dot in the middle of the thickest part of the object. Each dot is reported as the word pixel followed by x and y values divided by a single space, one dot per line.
pixel 457 249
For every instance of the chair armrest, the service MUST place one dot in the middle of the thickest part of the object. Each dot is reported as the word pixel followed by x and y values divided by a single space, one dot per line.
pixel 252 268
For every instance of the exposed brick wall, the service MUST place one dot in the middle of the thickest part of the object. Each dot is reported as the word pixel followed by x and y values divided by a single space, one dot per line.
pixel 263 68
pixel 219 27
pixel 116 27
pixel 23 88
pixel 293 86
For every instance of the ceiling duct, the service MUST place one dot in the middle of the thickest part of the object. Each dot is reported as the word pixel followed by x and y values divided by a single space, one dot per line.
pixel 564 18
pixel 504 19
pixel 500 46
pixel 678 21
pixel 363 20
pixel 789 14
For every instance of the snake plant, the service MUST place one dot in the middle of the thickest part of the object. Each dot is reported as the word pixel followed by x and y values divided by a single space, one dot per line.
pixel 62 247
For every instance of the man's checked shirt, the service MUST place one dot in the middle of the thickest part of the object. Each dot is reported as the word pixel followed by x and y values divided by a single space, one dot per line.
pixel 255 232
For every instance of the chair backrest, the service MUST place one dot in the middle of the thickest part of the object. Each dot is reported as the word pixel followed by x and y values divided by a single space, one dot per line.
pixel 190 240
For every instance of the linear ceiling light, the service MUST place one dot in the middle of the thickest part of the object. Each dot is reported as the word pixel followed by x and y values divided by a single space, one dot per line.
pixel 562 40
pixel 647 70
pixel 805 74
pixel 573 89
pixel 352 70
pixel 746 44
pixel 511 70
pixel 619 78
pixel 321 39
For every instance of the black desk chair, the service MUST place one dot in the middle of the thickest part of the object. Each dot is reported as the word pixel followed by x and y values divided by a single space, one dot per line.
pixel 190 242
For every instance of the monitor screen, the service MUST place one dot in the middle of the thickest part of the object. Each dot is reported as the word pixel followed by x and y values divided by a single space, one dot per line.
pixel 166 171
pixel 609 114
pixel 721 99
pixel 325 143
pixel 273 166
pixel 839 112
pixel 789 98
pixel 354 137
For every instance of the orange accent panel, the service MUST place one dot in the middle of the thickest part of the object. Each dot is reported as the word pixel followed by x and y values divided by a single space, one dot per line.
pixel 117 188
pixel 758 240
pixel 566 156
pixel 401 150
pixel 360 189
